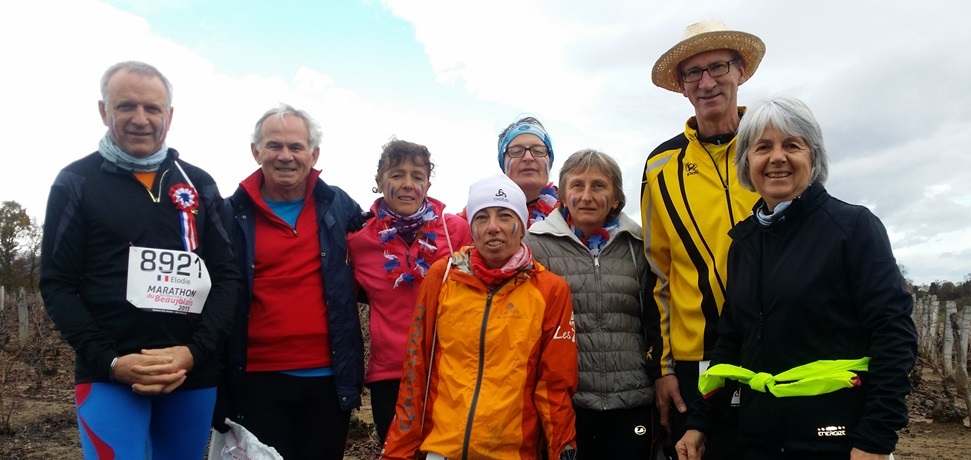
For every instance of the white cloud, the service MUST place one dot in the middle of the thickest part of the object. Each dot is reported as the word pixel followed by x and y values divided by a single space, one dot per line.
pixel 56 93
pixel 884 79
pixel 881 78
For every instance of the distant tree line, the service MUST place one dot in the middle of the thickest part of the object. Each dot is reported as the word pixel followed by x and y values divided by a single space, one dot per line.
pixel 20 239
pixel 946 290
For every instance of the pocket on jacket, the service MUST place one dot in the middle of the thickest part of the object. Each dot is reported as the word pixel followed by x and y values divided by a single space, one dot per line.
pixel 821 420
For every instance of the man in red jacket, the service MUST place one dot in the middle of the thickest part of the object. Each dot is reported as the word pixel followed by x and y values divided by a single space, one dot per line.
pixel 296 364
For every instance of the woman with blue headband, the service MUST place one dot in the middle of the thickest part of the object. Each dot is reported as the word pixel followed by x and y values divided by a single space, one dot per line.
pixel 526 157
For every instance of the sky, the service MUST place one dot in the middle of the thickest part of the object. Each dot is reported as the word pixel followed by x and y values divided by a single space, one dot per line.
pixel 885 79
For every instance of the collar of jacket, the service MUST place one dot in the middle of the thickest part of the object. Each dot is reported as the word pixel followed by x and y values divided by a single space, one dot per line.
pixel 814 196
pixel 171 156
pixel 555 225
pixel 691 131
pixel 323 194
pixel 462 271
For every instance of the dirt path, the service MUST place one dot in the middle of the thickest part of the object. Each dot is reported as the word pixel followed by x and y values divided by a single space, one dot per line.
pixel 43 424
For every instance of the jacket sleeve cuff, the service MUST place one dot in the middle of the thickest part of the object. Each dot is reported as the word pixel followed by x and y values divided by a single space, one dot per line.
pixel 197 355
pixel 104 364
pixel 697 424
pixel 883 446
pixel 654 371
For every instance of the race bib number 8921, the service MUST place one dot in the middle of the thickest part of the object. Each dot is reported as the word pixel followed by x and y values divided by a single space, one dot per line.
pixel 167 280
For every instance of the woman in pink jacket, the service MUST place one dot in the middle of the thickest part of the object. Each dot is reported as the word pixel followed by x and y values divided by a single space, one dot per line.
pixel 391 255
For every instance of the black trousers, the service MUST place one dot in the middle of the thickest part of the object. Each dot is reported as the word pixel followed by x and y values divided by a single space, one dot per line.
pixel 299 416
pixel 722 443
pixel 618 433
pixel 384 398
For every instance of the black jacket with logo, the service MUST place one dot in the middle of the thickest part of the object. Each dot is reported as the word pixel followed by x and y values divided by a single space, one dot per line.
pixel 822 284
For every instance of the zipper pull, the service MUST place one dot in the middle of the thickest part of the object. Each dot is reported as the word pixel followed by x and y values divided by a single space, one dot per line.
pixel 758 330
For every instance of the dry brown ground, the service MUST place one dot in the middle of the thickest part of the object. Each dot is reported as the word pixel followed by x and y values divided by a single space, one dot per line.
pixel 37 414
pixel 43 424
pixel 925 438
pixel 37 418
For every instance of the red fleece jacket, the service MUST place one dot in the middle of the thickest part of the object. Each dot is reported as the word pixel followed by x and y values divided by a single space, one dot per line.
pixel 288 314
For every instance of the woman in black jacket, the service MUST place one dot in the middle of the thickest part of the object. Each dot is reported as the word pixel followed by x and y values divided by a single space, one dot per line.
pixel 817 325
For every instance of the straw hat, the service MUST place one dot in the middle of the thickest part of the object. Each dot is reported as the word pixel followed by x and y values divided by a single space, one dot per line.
pixel 707 35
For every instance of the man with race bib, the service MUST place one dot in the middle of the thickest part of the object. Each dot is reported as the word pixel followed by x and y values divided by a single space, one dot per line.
pixel 138 275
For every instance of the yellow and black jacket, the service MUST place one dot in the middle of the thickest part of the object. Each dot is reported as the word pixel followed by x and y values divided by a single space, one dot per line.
pixel 690 199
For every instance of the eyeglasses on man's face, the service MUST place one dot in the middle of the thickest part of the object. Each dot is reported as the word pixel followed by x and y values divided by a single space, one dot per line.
pixel 538 151
pixel 715 69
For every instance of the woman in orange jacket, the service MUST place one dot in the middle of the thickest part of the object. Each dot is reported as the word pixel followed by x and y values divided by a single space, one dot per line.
pixel 491 361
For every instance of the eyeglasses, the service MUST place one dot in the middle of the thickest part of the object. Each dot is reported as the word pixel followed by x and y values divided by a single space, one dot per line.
pixel 538 151
pixel 716 69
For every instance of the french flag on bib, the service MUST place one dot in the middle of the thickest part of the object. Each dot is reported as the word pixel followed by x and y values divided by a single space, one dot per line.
pixel 186 200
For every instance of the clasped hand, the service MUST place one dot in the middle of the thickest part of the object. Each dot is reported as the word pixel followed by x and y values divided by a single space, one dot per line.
pixel 154 371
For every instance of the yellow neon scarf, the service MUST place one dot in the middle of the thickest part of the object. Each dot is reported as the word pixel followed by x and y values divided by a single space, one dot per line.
pixel 815 378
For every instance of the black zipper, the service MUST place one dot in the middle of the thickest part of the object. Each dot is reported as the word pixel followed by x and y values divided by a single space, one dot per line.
pixel 478 379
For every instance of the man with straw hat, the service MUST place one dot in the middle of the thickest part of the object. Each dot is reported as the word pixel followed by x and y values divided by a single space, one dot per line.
pixel 690 199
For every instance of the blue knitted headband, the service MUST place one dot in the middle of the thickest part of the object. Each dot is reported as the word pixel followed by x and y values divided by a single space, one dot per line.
pixel 524 127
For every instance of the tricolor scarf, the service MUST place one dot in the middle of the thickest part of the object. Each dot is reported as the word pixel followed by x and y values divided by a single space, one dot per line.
pixel 598 240
pixel 542 206
pixel 492 277
pixel 114 155
pixel 405 226
pixel 408 228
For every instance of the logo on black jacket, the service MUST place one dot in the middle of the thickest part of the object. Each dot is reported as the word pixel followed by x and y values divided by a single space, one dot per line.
pixel 826 431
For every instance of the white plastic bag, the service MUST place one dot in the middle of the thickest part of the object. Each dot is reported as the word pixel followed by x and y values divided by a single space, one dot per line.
pixel 239 444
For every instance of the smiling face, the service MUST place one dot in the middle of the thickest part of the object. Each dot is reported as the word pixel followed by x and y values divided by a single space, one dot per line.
pixel 136 112
pixel 405 186
pixel 497 234
pixel 715 99
pixel 530 173
pixel 780 166
pixel 590 196
pixel 285 157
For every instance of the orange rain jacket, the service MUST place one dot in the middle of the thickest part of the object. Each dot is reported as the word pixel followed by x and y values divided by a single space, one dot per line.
pixel 499 367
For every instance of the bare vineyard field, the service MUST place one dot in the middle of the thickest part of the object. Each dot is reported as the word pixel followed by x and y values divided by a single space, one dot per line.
pixel 37 412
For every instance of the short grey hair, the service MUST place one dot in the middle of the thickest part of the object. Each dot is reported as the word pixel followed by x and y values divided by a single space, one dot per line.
pixel 585 159
pixel 792 117
pixel 313 129
pixel 139 68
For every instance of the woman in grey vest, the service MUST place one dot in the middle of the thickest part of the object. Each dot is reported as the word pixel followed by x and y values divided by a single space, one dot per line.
pixel 599 250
